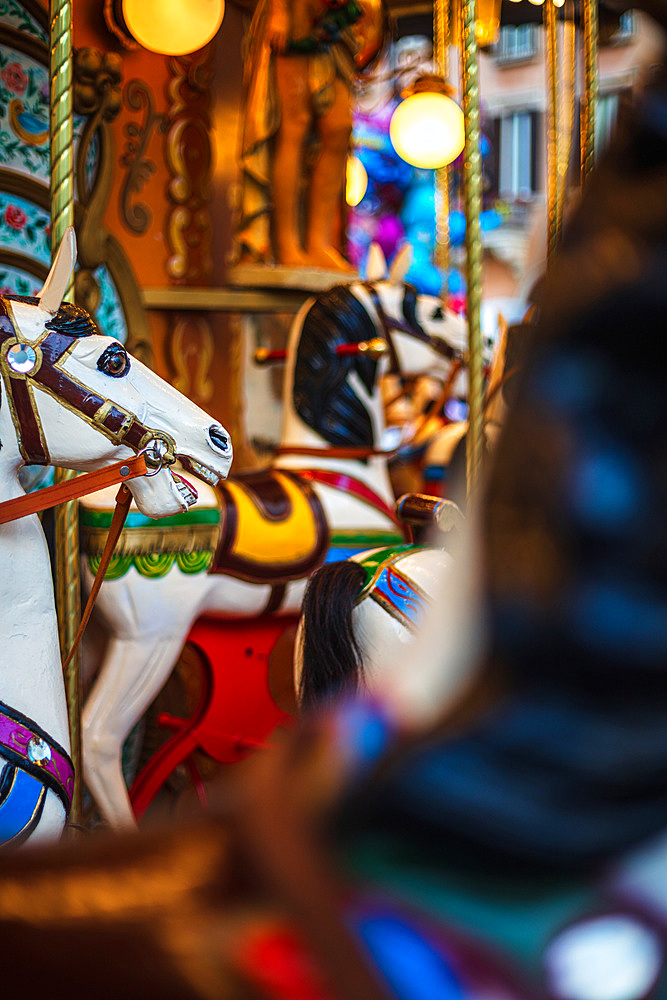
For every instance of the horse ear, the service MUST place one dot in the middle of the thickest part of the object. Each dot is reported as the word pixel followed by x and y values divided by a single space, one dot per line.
pixel 376 263
pixel 401 264
pixel 55 285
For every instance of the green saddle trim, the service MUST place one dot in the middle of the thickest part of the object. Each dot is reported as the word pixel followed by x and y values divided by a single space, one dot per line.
pixel 91 517
pixel 374 560
pixel 370 539
pixel 154 564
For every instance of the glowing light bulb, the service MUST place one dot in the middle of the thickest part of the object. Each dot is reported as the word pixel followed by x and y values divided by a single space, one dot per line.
pixel 487 22
pixel 427 130
pixel 173 27
pixel 356 181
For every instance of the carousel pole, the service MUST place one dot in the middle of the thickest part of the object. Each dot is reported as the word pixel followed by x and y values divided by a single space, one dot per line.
pixel 472 188
pixel 441 33
pixel 68 599
pixel 553 131
pixel 589 104
pixel 568 98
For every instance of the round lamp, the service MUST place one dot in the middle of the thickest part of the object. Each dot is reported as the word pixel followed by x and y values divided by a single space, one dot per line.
pixel 356 181
pixel 426 129
pixel 173 27
pixel 487 22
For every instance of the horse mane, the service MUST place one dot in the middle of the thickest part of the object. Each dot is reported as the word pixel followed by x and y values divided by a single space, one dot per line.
pixel 331 662
pixel 410 308
pixel 322 395
pixel 70 319
pixel 73 321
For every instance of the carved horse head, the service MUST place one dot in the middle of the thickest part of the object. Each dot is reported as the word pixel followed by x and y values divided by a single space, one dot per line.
pixel 79 400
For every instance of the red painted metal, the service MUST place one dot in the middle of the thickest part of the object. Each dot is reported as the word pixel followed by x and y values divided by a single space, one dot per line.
pixel 236 713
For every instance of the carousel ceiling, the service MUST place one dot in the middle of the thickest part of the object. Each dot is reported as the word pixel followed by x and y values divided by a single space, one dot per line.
pixel 416 16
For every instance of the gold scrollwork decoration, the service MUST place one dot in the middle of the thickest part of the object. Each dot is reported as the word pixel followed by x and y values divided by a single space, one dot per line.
pixel 189 158
pixel 138 97
pixel 191 350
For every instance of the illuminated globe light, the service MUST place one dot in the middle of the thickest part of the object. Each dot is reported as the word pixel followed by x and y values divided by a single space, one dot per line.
pixel 173 27
pixel 356 181
pixel 487 22
pixel 427 129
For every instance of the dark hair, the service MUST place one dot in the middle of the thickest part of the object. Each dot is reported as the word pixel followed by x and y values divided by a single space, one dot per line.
pixel 410 308
pixel 322 396
pixel 70 319
pixel 331 659
pixel 73 321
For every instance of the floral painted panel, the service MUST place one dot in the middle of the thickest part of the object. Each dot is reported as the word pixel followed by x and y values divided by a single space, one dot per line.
pixel 25 228
pixel 109 313
pixel 14 281
pixel 24 114
pixel 16 16
pixel 24 117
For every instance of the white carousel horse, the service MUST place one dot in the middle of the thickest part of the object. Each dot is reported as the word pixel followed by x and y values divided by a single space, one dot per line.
pixel 77 400
pixel 328 496
pixel 359 615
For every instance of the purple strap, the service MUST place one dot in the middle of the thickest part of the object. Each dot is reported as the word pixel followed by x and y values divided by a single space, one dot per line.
pixel 29 747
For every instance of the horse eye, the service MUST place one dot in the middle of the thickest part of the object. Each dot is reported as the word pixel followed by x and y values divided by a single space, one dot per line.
pixel 438 313
pixel 114 361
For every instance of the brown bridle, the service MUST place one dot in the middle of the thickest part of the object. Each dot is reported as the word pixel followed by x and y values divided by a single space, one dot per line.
pixel 47 372
pixel 390 325
pixel 45 357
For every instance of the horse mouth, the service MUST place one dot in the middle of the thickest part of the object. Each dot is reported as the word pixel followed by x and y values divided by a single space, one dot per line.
pixel 197 469
pixel 186 489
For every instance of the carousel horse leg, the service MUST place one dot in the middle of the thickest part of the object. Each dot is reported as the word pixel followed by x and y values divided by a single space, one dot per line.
pixel 135 671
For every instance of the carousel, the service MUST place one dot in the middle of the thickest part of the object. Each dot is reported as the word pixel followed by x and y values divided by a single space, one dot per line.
pixel 332 399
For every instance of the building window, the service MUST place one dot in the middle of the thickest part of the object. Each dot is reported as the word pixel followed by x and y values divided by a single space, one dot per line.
pixel 626 28
pixel 517 155
pixel 516 43
pixel 606 114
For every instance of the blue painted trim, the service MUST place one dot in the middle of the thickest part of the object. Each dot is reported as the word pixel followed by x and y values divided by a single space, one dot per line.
pixel 22 800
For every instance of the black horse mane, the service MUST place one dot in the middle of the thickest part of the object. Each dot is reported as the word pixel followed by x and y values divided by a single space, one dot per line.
pixel 331 662
pixel 410 308
pixel 70 319
pixel 322 396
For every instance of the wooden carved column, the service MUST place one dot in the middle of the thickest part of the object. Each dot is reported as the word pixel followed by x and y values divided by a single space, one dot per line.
pixel 190 343
pixel 203 349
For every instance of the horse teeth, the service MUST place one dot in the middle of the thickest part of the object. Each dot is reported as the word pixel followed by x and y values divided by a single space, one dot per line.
pixel 200 470
pixel 185 492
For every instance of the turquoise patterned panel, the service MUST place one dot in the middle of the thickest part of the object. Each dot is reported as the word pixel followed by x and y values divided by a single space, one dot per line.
pixel 15 15
pixel 25 228
pixel 14 281
pixel 109 313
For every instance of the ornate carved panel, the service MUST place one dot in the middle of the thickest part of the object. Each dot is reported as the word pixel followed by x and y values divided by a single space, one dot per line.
pixel 189 160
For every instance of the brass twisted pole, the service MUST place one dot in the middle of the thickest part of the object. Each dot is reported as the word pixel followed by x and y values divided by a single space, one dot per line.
pixel 68 598
pixel 553 130
pixel 589 103
pixel 568 98
pixel 472 188
pixel 441 53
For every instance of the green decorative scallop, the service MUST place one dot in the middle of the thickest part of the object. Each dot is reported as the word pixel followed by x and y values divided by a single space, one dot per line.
pixel 117 567
pixel 194 562
pixel 154 564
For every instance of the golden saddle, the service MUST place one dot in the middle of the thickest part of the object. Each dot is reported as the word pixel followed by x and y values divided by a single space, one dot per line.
pixel 272 528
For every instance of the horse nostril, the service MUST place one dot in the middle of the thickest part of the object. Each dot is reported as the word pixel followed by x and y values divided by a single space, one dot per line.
pixel 218 438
